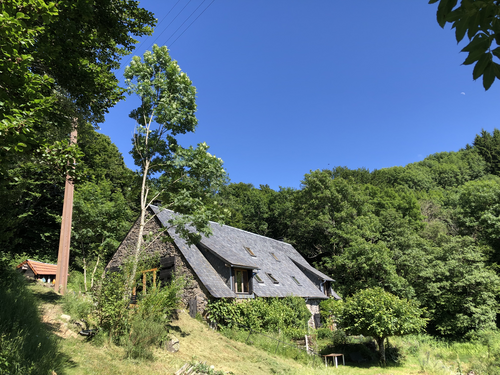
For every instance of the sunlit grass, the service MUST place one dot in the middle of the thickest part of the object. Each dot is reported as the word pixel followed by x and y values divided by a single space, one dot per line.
pixel 420 354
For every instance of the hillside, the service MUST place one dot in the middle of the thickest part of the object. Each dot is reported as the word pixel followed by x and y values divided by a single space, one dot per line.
pixel 197 343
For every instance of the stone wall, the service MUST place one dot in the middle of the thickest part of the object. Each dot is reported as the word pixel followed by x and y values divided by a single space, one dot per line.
pixel 195 296
pixel 313 306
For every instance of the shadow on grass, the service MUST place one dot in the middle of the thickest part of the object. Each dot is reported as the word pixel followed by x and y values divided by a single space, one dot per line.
pixel 178 330
pixel 365 355
pixel 46 295
pixel 68 363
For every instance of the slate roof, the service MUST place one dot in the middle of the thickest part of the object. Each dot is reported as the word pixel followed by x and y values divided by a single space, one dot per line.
pixel 39 268
pixel 228 243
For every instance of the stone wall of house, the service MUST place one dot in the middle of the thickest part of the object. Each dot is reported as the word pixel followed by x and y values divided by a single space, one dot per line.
pixel 195 296
pixel 313 306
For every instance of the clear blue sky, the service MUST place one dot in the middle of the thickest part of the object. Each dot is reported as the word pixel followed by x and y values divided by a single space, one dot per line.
pixel 288 86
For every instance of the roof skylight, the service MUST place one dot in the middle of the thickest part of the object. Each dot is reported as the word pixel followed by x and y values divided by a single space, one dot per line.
pixel 275 257
pixel 257 277
pixel 296 281
pixel 273 279
pixel 249 251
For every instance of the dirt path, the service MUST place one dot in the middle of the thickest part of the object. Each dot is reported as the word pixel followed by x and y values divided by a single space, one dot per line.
pixel 52 314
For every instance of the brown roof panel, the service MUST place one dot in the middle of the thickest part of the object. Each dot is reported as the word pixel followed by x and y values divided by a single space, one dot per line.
pixel 40 268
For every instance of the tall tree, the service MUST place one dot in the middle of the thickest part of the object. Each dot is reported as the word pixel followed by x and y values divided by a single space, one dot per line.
pixel 101 220
pixel 488 146
pixel 57 62
pixel 185 179
pixel 376 313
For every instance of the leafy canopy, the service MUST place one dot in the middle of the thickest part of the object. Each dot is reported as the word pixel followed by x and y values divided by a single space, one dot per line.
pixel 376 313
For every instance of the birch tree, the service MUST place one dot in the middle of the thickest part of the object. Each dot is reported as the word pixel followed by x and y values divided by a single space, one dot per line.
pixel 184 179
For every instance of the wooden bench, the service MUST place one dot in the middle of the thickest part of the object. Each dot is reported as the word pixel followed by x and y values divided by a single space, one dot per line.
pixel 334 356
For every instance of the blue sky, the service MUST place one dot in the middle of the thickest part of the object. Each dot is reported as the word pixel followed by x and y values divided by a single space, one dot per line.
pixel 287 86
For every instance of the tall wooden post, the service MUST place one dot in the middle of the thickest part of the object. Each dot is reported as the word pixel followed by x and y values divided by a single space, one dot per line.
pixel 65 237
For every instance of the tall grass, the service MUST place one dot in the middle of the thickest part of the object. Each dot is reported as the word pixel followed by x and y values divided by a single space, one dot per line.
pixel 26 345
pixel 273 344
pixel 436 356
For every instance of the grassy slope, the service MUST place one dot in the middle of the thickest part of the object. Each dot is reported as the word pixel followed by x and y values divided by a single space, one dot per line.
pixel 200 343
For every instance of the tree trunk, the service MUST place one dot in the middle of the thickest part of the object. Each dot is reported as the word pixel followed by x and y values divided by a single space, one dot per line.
pixel 144 198
pixel 85 273
pixel 93 274
pixel 381 349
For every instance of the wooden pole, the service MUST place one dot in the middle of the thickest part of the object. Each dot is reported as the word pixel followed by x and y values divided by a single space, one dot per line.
pixel 65 237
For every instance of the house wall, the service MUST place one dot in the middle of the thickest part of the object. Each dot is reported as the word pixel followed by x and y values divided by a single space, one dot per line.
pixel 28 273
pixel 313 306
pixel 194 294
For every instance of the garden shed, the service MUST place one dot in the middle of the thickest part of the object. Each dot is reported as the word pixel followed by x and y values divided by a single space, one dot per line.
pixel 37 270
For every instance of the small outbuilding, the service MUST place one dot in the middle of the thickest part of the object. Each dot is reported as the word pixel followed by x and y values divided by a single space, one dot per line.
pixel 231 263
pixel 37 270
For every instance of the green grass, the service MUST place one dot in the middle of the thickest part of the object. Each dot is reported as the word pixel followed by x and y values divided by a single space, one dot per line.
pixel 26 344
pixel 228 352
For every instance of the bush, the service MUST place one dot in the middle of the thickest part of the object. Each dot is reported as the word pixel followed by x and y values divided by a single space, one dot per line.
pixel 75 281
pixel 489 364
pixel 138 328
pixel 288 315
pixel 79 306
pixel 160 303
pixel 26 346
pixel 150 318
pixel 111 306
pixel 144 333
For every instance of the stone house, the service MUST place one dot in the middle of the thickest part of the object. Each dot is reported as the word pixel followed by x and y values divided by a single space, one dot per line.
pixel 231 263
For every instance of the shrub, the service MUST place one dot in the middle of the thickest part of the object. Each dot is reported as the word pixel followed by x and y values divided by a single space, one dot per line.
pixel 77 305
pixel 138 328
pixel 489 364
pixel 111 306
pixel 288 315
pixel 149 319
pixel 144 333
pixel 160 303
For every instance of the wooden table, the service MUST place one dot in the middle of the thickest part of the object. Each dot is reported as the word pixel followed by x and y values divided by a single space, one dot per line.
pixel 334 356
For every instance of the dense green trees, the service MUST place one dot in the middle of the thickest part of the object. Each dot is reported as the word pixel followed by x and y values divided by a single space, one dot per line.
pixel 57 61
pixel 427 231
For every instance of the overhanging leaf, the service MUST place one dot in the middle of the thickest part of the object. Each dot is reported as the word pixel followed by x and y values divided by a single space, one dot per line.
pixel 481 65
pixel 488 76
pixel 473 57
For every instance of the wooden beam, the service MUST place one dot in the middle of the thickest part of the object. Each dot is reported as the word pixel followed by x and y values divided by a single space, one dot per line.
pixel 65 236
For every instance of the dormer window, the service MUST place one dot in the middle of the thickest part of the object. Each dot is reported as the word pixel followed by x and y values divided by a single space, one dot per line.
pixel 249 251
pixel 272 278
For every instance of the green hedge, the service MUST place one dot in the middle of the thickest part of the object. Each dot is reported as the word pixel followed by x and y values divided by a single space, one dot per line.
pixel 287 315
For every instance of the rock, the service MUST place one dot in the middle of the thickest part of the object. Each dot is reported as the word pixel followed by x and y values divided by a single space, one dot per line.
pixel 173 345
pixel 66 317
